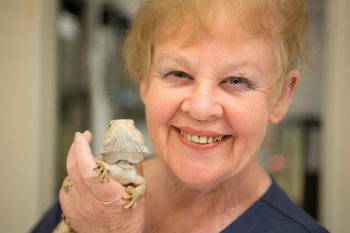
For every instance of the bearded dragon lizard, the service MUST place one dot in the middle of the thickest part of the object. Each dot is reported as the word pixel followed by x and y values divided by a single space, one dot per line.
pixel 123 148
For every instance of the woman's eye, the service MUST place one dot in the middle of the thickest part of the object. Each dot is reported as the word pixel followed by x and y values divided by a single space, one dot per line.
pixel 179 74
pixel 237 80
pixel 178 77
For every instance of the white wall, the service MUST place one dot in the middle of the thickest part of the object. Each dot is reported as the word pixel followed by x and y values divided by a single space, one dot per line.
pixel 335 183
pixel 27 111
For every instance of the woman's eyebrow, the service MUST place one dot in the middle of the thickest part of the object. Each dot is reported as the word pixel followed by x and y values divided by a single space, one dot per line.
pixel 173 58
pixel 243 64
pixel 227 67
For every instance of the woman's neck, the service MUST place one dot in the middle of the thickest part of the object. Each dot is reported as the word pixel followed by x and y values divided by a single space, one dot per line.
pixel 243 189
pixel 224 203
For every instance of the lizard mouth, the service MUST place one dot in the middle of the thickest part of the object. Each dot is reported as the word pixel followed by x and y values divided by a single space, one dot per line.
pixel 200 139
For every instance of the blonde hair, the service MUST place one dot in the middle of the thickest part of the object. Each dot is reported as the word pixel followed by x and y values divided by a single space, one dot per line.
pixel 285 21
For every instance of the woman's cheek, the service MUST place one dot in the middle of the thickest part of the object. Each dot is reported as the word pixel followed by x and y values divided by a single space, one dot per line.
pixel 163 101
pixel 249 121
pixel 160 108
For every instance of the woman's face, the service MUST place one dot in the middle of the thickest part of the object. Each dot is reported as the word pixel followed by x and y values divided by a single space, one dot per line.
pixel 208 102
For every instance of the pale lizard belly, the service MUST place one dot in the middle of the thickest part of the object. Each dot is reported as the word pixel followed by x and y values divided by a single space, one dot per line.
pixel 123 176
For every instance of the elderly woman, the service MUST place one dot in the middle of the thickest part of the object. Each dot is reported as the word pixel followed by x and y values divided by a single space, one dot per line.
pixel 212 75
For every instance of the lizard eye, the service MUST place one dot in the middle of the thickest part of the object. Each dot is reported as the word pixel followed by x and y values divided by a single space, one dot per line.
pixel 109 126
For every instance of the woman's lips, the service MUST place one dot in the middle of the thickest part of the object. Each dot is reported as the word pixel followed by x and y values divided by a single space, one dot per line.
pixel 201 142
pixel 200 139
pixel 206 133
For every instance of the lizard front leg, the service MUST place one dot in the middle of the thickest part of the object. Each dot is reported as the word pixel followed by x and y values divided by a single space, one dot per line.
pixel 103 170
pixel 136 193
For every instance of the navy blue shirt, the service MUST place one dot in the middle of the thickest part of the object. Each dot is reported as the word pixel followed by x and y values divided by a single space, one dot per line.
pixel 51 219
pixel 274 212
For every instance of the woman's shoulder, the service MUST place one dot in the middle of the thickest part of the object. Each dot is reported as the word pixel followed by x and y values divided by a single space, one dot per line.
pixel 275 212
pixel 290 214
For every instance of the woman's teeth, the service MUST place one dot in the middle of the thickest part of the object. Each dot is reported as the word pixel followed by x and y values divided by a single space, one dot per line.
pixel 200 139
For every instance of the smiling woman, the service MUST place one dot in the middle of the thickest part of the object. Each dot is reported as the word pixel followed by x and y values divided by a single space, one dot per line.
pixel 191 82
pixel 212 75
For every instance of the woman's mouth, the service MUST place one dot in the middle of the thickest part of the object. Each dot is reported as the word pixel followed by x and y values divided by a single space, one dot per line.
pixel 200 139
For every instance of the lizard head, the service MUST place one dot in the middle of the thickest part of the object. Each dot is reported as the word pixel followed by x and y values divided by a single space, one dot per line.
pixel 126 124
pixel 123 142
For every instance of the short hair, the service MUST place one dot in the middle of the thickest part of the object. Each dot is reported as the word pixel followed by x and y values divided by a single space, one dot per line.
pixel 285 21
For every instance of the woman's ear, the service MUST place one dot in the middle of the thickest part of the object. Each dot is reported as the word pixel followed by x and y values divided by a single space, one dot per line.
pixel 289 86
pixel 143 89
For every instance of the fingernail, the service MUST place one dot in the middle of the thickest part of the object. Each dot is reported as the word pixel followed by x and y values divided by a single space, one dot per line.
pixel 77 136
pixel 86 132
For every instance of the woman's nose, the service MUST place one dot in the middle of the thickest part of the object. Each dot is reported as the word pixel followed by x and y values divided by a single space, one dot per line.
pixel 202 104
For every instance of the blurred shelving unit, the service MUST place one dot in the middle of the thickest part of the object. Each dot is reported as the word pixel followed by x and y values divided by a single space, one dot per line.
pixel 291 151
pixel 94 86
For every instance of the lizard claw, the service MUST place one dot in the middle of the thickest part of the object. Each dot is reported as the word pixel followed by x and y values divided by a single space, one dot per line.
pixel 103 171
pixel 134 196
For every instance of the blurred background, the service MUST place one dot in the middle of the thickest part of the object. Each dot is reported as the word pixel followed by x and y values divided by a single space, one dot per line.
pixel 62 71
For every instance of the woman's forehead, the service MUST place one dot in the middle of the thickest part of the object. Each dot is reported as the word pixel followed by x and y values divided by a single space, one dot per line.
pixel 226 37
pixel 207 16
pixel 224 28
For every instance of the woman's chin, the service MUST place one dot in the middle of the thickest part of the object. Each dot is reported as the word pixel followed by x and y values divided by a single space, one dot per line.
pixel 199 177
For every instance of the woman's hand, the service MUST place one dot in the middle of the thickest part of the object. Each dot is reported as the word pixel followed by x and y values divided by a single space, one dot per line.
pixel 91 206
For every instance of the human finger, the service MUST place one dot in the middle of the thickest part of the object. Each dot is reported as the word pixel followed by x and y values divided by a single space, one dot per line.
pixel 95 215
pixel 73 170
pixel 65 201
pixel 86 163
pixel 73 205
pixel 88 136
pixel 71 159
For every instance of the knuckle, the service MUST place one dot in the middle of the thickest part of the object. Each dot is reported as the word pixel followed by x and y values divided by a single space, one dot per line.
pixel 71 167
